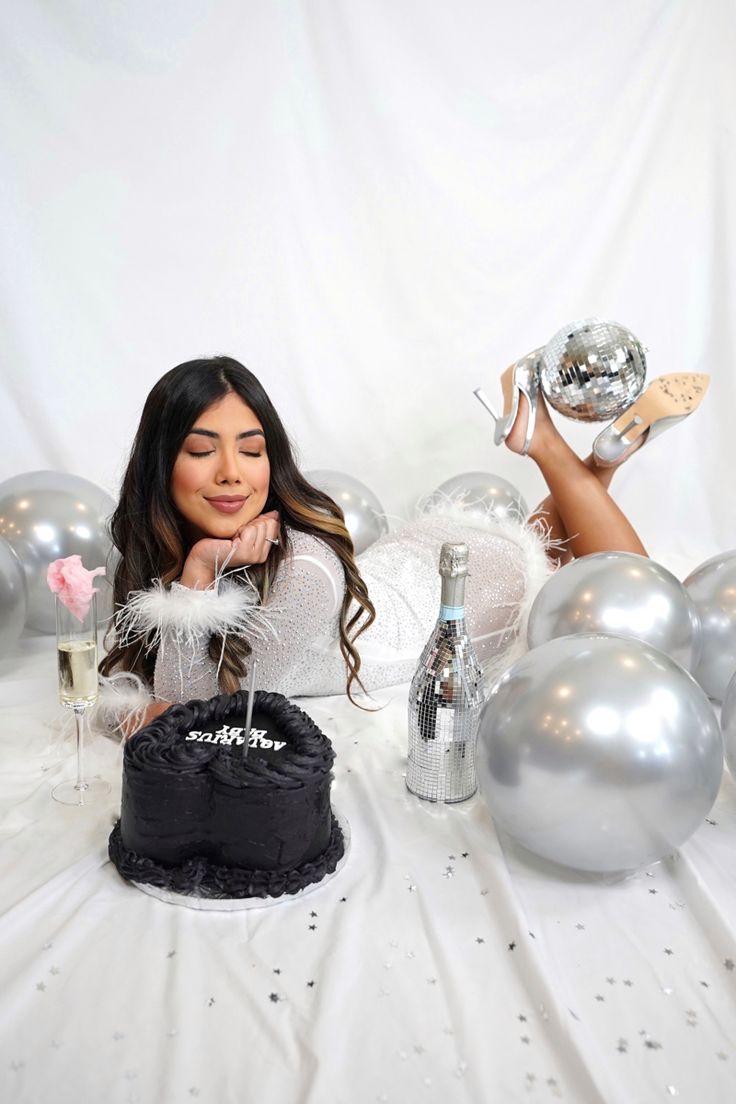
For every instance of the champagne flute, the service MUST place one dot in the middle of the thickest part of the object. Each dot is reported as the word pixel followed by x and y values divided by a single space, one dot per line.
pixel 76 650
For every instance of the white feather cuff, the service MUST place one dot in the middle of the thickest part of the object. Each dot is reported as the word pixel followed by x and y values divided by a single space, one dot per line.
pixel 121 702
pixel 188 615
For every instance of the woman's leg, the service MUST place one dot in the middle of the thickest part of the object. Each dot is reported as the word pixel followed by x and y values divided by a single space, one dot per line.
pixel 547 515
pixel 579 509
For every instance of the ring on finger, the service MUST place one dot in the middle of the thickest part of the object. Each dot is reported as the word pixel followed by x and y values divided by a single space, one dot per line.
pixel 271 540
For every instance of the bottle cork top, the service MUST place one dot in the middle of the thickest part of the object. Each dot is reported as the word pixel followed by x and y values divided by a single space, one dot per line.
pixel 453 560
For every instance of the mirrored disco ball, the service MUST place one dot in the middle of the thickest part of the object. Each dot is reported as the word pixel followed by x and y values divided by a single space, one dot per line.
pixel 592 370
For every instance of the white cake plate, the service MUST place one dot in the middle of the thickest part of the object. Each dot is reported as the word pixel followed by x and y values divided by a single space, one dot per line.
pixel 239 904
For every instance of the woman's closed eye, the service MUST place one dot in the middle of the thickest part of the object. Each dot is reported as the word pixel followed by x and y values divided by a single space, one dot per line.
pixel 210 452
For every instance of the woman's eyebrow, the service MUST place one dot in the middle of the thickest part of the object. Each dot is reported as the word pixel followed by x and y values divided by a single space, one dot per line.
pixel 240 436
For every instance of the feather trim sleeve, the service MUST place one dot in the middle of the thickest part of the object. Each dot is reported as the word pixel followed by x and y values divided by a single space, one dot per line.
pixel 188 615
pixel 122 701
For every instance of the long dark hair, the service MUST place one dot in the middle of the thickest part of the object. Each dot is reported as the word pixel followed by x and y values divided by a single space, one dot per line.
pixel 150 534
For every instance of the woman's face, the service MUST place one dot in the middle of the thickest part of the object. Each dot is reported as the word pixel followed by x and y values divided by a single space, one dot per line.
pixel 220 477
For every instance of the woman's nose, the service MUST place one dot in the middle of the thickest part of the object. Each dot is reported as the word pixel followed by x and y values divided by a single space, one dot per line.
pixel 228 469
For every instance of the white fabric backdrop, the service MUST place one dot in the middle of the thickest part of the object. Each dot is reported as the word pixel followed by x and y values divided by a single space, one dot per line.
pixel 376 205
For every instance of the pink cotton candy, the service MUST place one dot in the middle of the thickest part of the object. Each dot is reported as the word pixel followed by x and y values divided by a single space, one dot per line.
pixel 71 582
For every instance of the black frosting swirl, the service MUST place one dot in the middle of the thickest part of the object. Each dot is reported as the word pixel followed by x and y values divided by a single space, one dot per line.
pixel 161 745
pixel 200 817
pixel 199 877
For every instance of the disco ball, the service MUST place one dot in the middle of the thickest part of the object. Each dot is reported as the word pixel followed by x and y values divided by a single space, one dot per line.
pixel 592 370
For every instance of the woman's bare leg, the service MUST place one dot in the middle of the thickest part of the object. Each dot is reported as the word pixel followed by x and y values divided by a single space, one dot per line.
pixel 579 509
pixel 547 515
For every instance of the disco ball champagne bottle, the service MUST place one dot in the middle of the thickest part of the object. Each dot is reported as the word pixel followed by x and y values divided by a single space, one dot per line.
pixel 446 696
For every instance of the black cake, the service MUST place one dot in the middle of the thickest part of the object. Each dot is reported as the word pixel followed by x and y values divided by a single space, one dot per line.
pixel 198 817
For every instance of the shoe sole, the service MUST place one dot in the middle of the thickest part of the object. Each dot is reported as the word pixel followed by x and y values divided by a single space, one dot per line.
pixel 668 397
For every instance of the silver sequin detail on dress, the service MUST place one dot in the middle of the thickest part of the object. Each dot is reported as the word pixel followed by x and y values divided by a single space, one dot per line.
pixel 302 657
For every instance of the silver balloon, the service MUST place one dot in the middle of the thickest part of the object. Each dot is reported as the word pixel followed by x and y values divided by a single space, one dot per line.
pixel 364 516
pixel 712 587
pixel 598 752
pixel 481 491
pixel 12 599
pixel 618 592
pixel 592 370
pixel 728 725
pixel 45 515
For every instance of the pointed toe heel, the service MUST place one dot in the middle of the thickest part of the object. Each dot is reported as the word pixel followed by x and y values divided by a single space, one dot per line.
pixel 666 402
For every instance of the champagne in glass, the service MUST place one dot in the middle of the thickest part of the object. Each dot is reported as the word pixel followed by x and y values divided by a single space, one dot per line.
pixel 76 649
pixel 77 672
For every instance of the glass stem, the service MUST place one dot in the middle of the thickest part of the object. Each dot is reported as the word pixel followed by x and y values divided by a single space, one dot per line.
pixel 79 718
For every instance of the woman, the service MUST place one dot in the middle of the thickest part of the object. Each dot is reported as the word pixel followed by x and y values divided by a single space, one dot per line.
pixel 212 488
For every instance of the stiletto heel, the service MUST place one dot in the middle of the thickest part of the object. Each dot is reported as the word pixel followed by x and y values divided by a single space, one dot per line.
pixel 666 402
pixel 521 378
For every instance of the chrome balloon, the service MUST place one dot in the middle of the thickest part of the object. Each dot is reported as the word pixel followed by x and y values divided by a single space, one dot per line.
pixel 479 491
pixel 12 599
pixel 45 515
pixel 618 592
pixel 712 587
pixel 364 516
pixel 598 752
pixel 592 370
pixel 728 725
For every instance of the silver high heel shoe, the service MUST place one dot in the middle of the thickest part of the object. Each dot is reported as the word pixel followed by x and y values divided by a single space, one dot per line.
pixel 667 401
pixel 521 378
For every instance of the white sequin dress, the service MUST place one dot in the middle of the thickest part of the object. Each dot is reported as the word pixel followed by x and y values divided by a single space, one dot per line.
pixel 298 645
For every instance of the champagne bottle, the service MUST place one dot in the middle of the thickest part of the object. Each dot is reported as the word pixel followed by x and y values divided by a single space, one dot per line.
pixel 446 696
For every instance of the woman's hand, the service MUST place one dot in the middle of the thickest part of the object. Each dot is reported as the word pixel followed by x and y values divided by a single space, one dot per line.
pixel 250 545
pixel 139 720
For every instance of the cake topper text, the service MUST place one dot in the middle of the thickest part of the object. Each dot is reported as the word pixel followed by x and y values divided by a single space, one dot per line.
pixel 226 735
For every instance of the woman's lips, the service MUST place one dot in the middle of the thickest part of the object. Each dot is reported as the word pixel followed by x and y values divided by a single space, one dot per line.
pixel 226 504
